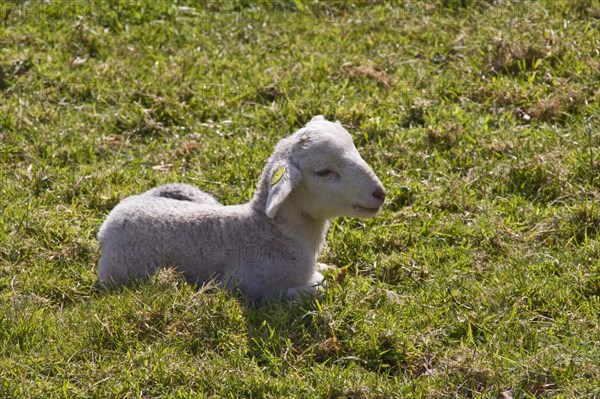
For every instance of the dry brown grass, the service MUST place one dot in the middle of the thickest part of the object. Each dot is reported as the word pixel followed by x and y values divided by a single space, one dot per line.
pixel 368 70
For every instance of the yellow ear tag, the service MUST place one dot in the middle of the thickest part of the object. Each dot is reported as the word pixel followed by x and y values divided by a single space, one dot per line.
pixel 277 175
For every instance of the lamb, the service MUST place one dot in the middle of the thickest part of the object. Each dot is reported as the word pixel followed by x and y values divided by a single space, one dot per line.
pixel 266 247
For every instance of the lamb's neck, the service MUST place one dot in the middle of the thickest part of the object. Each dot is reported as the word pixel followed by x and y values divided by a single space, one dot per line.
pixel 291 220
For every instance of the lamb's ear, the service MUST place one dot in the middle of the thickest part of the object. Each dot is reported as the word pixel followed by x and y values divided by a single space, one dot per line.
pixel 283 177
pixel 317 118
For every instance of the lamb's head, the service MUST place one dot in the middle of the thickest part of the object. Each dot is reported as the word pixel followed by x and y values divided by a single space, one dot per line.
pixel 319 171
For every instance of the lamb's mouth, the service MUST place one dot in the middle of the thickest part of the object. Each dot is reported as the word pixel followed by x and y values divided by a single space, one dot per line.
pixel 366 209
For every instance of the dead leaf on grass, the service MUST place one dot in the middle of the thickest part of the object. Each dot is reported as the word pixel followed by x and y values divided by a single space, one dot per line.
pixel 113 139
pixel 162 167
pixel 78 61
pixel 189 147
pixel 368 70
pixel 329 346
pixel 341 276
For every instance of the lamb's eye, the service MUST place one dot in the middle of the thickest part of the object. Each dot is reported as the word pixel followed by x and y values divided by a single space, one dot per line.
pixel 327 173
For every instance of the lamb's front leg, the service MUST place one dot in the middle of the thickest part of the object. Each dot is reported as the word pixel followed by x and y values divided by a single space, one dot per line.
pixel 315 283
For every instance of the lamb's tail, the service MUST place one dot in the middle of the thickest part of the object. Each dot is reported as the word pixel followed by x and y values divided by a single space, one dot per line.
pixel 183 192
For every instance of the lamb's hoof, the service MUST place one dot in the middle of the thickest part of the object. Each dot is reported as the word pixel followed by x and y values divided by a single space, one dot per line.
pixel 321 267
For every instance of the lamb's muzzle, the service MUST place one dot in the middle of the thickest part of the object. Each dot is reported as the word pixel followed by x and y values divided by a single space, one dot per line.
pixel 266 247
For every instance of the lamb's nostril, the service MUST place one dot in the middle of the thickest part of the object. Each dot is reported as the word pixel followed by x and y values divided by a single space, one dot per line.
pixel 379 194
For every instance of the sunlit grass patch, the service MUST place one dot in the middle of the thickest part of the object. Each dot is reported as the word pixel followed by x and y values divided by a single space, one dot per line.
pixel 480 277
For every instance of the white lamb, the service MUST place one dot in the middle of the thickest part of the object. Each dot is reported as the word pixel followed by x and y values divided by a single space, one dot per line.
pixel 266 247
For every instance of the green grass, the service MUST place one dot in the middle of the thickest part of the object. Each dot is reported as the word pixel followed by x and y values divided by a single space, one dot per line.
pixel 480 278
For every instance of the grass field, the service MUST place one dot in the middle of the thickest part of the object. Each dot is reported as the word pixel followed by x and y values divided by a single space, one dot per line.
pixel 480 277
